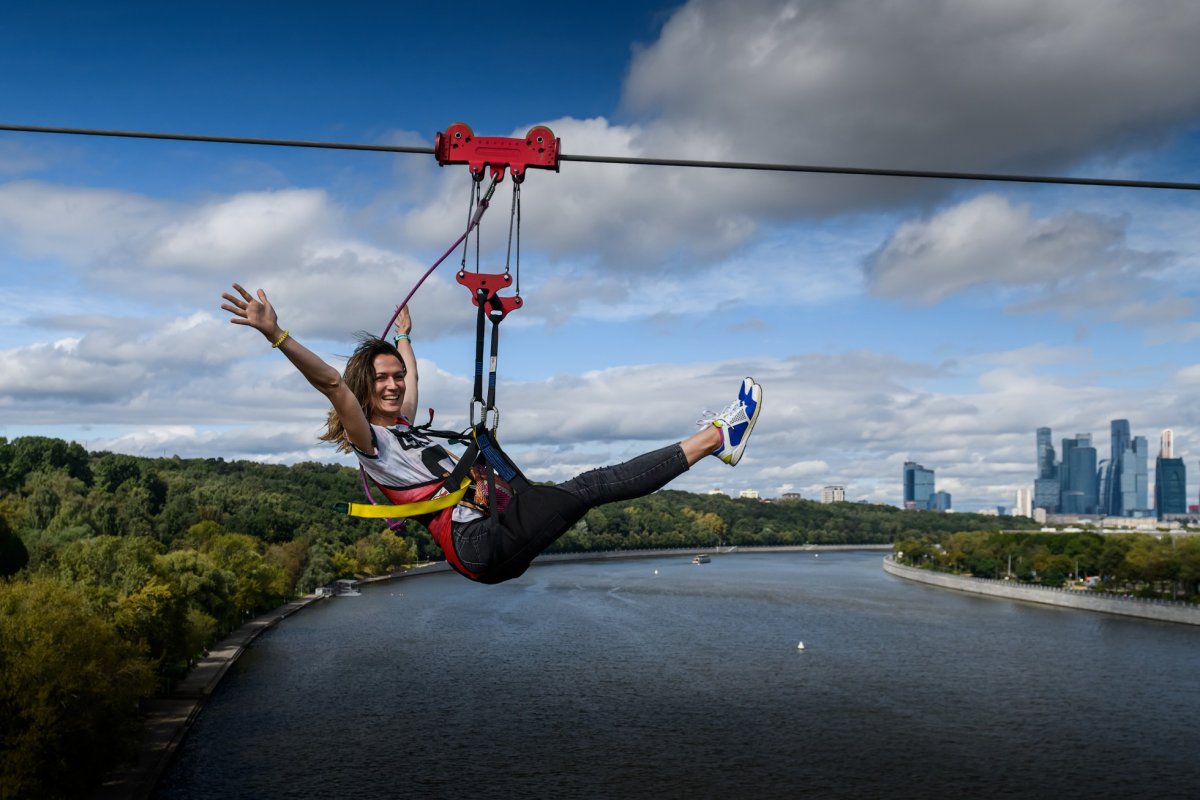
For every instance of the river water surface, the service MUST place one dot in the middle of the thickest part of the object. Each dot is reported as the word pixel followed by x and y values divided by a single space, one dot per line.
pixel 660 678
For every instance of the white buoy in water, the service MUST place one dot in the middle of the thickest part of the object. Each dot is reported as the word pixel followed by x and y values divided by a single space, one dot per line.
pixel 800 646
pixel 655 572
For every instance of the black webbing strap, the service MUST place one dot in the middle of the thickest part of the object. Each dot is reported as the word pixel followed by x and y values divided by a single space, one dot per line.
pixel 481 302
pixel 495 317
pixel 490 308
pixel 452 437
pixel 455 478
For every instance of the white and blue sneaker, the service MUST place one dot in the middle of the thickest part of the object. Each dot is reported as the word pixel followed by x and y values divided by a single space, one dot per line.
pixel 736 422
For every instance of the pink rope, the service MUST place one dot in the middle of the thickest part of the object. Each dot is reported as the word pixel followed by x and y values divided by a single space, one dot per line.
pixel 397 525
pixel 483 205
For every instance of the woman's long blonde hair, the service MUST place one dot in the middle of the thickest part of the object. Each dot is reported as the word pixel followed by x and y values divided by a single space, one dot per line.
pixel 359 375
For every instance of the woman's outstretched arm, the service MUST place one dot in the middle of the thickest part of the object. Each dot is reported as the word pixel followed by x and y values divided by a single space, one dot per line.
pixel 258 313
pixel 408 406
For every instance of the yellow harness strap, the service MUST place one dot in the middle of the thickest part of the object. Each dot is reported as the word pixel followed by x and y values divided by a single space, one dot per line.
pixel 408 509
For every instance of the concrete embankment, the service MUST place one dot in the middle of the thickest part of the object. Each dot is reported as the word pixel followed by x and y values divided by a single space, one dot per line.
pixel 1161 610
pixel 723 550
pixel 661 552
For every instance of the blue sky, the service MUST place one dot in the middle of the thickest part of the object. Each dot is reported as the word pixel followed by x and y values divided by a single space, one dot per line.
pixel 888 319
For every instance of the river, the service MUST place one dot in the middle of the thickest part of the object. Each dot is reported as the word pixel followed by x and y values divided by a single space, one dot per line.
pixel 659 678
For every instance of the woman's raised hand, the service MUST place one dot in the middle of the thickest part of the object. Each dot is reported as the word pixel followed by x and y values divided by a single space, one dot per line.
pixel 258 312
pixel 403 322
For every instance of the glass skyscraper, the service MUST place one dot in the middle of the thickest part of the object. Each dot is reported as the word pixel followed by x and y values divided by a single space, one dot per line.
pixel 1046 489
pixel 1080 492
pixel 1077 479
pixel 1118 486
pixel 1133 479
pixel 1045 455
pixel 1170 487
pixel 918 486
pixel 1111 496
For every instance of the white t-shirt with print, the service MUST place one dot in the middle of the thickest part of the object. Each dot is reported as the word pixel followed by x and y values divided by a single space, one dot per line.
pixel 405 457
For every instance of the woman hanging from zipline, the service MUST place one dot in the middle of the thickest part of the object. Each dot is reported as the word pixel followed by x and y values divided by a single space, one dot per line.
pixel 375 402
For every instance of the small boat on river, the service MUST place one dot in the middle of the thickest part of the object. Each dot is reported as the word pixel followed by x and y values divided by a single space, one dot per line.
pixel 702 558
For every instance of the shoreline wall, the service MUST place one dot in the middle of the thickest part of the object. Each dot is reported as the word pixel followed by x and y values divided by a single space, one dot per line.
pixel 545 559
pixel 1161 610
pixel 722 550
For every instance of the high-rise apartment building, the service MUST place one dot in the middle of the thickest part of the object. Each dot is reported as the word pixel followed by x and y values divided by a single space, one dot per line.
pixel 940 501
pixel 918 486
pixel 1024 504
pixel 1166 447
pixel 833 494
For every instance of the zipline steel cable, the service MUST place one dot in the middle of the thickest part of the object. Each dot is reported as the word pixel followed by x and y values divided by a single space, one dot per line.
pixel 656 162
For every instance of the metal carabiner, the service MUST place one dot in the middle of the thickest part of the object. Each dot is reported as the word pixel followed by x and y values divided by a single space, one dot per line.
pixel 483 415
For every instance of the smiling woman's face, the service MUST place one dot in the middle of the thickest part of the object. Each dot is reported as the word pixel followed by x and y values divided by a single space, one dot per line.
pixel 387 391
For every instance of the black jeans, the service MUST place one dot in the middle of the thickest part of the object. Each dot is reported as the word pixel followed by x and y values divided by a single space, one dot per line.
pixel 536 517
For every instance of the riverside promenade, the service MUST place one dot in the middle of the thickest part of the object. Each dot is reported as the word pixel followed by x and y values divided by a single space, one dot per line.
pixel 1161 610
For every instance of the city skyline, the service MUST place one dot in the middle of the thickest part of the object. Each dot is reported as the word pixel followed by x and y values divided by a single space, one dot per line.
pixel 1074 483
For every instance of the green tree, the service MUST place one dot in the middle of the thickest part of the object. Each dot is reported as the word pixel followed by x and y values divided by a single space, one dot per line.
pixel 1149 560
pixel 13 555
pixel 320 570
pixel 153 617
pixel 46 491
pixel 259 584
pixel 33 453
pixel 118 564
pixel 380 553
pixel 205 591
pixel 1187 552
pixel 111 470
pixel 69 688
pixel 291 557
pixel 709 527
pixel 196 577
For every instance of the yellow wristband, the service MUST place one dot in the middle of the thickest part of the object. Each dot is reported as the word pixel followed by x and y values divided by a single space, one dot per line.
pixel 282 339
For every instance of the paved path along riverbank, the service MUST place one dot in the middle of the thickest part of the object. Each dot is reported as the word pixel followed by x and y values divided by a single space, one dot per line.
pixel 1161 610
